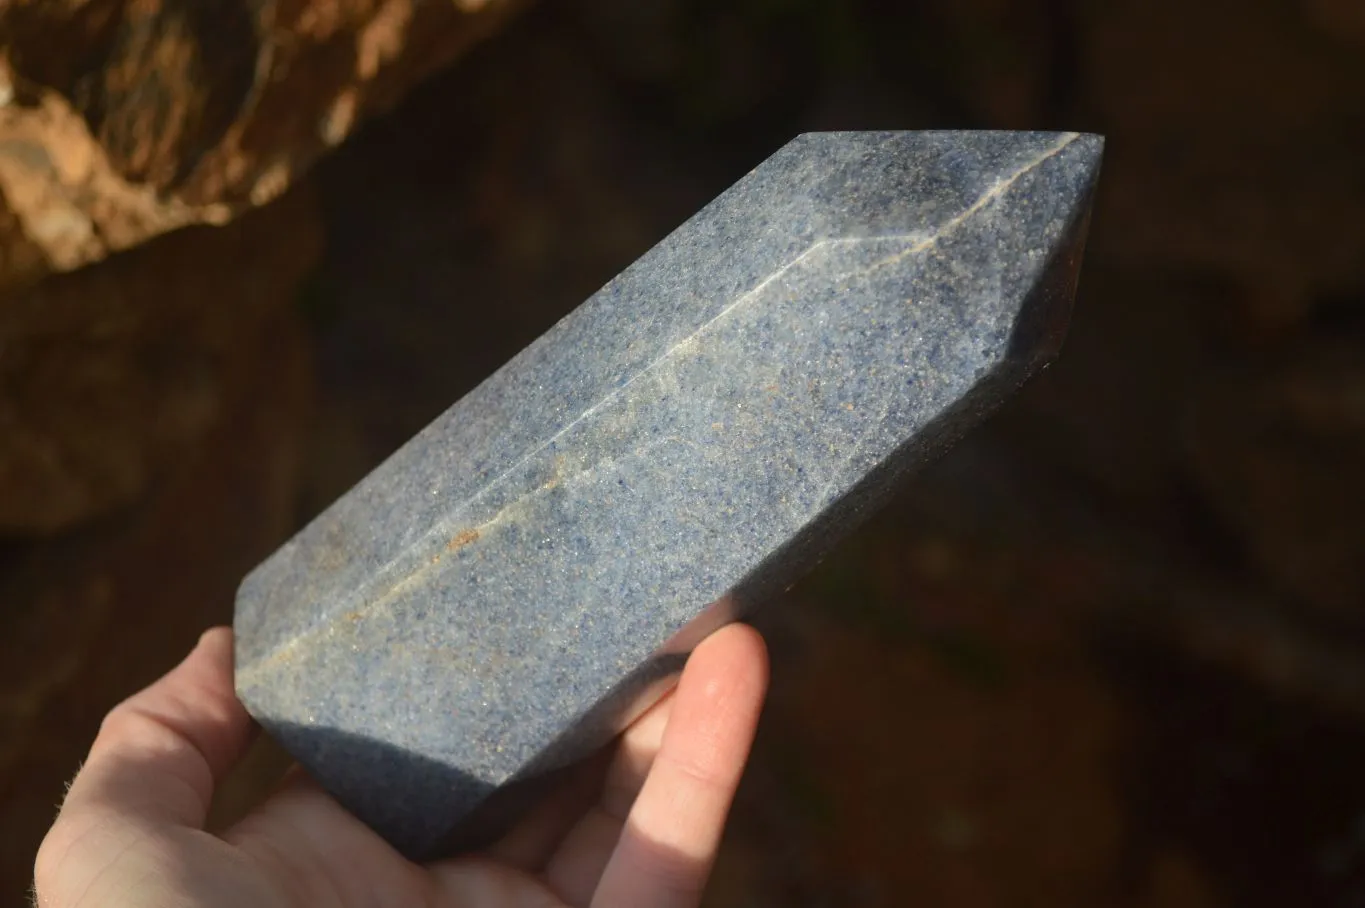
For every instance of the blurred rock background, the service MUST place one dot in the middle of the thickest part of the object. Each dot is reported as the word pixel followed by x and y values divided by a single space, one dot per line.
pixel 1110 651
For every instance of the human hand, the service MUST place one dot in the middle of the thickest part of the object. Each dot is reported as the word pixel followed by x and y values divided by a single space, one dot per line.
pixel 131 834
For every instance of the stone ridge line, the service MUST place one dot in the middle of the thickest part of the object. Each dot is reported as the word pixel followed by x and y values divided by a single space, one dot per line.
pixel 442 528
pixel 995 192
pixel 999 189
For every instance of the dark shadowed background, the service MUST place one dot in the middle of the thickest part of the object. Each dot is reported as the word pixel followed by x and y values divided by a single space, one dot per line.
pixel 1110 651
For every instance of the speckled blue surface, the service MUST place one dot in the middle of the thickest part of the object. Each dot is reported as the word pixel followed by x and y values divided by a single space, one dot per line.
pixel 504 591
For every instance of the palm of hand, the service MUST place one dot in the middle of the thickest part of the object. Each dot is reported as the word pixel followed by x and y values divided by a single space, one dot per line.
pixel 644 833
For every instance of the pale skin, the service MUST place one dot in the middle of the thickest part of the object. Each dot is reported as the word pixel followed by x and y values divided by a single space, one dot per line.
pixel 131 833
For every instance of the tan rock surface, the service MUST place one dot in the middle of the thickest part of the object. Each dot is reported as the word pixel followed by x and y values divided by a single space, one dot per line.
pixel 124 119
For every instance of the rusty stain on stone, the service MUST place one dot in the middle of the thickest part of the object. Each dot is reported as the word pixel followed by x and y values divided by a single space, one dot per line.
pixel 462 539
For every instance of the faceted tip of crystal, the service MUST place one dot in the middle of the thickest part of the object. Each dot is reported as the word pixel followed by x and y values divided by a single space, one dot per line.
pixel 1045 312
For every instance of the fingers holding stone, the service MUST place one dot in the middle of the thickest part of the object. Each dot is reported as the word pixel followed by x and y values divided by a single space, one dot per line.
pixel 160 753
pixel 673 829
pixel 575 866
pixel 630 767
pixel 532 842
pixel 153 768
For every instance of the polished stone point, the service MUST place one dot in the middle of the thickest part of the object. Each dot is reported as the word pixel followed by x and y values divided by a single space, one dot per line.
pixel 522 578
